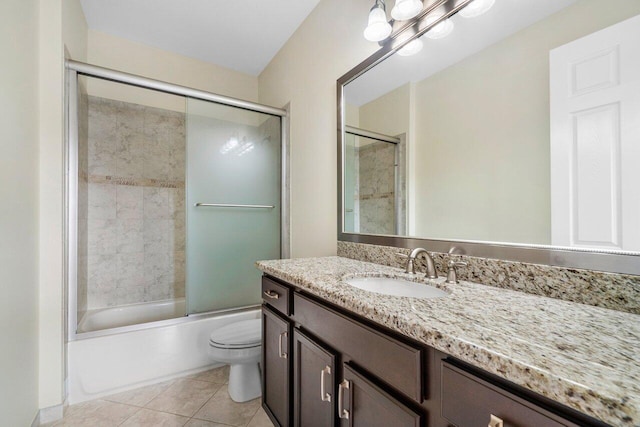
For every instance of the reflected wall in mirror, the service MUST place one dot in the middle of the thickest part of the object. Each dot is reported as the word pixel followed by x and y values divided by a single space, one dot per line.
pixel 521 126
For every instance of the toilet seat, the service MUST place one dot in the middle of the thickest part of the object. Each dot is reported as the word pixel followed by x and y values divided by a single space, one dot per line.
pixel 239 335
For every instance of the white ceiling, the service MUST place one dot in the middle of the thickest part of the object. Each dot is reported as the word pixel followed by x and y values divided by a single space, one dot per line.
pixel 469 36
pixel 243 35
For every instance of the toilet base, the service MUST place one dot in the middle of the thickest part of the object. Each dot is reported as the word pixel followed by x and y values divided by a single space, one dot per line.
pixel 244 382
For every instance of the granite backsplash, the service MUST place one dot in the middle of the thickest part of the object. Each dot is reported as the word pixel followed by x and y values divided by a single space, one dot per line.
pixel 619 292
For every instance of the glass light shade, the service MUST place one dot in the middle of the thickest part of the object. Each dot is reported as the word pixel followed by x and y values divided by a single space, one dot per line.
pixel 378 28
pixel 411 48
pixel 476 8
pixel 440 30
pixel 406 9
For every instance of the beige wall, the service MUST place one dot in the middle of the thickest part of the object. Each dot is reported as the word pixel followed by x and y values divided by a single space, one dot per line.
pixel 61 28
pixel 388 114
pixel 483 133
pixel 304 72
pixel 19 212
pixel 124 55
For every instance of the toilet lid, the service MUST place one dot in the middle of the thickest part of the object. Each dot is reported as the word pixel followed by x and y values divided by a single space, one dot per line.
pixel 244 334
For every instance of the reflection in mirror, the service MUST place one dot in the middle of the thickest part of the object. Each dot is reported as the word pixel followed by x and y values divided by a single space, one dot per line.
pixel 374 183
pixel 520 126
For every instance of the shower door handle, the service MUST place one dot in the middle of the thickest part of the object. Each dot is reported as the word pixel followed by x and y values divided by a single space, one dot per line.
pixel 282 354
pixel 227 205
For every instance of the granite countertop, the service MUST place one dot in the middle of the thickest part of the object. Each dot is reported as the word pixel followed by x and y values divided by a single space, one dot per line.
pixel 585 357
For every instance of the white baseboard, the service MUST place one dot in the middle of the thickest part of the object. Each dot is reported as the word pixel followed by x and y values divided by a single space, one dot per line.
pixel 48 415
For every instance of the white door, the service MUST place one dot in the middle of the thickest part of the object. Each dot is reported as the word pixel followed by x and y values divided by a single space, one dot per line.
pixel 595 140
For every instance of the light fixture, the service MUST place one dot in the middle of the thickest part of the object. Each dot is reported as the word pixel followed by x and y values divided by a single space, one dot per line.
pixel 476 8
pixel 406 9
pixel 378 28
pixel 440 30
pixel 411 48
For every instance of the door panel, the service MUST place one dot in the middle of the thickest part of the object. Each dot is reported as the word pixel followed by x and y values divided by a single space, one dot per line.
pixel 595 140
pixel 276 350
pixel 233 203
pixel 366 405
pixel 314 374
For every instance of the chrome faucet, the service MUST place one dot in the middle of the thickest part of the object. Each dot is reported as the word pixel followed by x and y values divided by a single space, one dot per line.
pixel 431 272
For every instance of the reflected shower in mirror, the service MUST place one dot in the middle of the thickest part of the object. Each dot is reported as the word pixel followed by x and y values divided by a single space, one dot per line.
pixel 520 127
pixel 375 196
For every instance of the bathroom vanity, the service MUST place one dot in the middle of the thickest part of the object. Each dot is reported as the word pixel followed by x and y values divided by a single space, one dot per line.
pixel 336 355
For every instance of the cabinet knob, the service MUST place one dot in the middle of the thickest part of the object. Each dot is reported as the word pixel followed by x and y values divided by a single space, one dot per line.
pixel 282 354
pixel 495 421
pixel 342 413
pixel 326 397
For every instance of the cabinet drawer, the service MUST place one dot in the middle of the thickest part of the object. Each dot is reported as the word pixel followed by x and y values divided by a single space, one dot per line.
pixel 470 401
pixel 276 295
pixel 367 347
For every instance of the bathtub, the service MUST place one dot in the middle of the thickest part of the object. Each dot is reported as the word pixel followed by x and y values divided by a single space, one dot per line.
pixel 131 314
pixel 124 357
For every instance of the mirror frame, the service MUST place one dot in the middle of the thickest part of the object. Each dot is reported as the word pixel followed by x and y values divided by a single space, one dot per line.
pixel 588 259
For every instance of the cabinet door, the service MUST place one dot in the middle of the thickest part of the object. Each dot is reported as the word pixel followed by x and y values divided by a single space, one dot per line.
pixel 276 348
pixel 314 373
pixel 363 404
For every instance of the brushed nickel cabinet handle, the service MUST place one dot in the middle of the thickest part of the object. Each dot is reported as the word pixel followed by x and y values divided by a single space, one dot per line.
pixel 282 354
pixel 271 294
pixel 342 413
pixel 495 422
pixel 326 397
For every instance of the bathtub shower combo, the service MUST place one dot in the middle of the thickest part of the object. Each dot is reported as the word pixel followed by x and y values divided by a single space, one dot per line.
pixel 172 195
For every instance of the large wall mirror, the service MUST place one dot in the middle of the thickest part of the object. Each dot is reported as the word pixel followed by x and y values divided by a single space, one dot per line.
pixel 514 134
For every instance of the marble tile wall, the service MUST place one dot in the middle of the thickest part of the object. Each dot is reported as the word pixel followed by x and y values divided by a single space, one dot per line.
pixel 608 290
pixel 136 212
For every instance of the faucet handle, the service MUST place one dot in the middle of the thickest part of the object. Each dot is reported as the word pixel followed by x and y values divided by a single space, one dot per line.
pixel 410 267
pixel 452 276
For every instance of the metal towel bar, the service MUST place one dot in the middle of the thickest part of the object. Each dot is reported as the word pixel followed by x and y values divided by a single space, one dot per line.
pixel 224 205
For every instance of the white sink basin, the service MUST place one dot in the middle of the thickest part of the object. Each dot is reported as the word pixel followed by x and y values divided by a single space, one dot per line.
pixel 396 287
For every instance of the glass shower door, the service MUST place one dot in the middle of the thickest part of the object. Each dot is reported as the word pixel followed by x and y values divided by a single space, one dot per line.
pixel 233 203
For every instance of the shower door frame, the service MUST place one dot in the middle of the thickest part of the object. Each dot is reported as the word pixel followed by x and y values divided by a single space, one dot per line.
pixel 74 69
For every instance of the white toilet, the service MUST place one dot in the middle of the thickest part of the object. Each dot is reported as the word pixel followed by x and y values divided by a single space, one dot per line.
pixel 239 344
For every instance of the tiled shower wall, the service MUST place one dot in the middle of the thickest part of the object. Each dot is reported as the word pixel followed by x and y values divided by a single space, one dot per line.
pixel 136 215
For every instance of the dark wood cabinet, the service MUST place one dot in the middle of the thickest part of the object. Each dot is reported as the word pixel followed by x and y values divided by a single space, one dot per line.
pixel 361 403
pixel 314 383
pixel 325 366
pixel 276 350
pixel 469 401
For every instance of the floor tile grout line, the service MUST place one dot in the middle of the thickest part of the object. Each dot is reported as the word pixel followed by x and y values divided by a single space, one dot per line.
pixel 203 405
pixel 125 420
pixel 256 414
pixel 180 415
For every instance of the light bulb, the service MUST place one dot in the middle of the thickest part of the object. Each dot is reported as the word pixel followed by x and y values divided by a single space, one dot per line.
pixel 406 9
pixel 378 28
pixel 440 30
pixel 411 48
pixel 476 8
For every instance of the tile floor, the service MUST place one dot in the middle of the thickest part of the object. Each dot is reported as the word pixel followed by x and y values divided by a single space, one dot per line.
pixel 199 400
